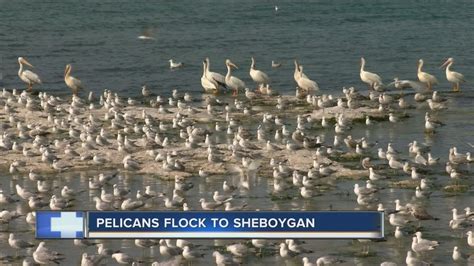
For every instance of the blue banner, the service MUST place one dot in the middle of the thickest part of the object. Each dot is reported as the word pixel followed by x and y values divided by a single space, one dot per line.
pixel 244 224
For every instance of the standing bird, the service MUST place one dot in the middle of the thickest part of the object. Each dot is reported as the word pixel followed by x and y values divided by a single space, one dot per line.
pixel 217 77
pixel 231 81
pixel 452 76
pixel 424 77
pixel 73 83
pixel 207 83
pixel 305 83
pixel 370 78
pixel 27 76
pixel 258 76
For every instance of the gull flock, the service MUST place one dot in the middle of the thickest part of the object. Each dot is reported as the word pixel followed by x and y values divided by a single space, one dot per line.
pixel 259 134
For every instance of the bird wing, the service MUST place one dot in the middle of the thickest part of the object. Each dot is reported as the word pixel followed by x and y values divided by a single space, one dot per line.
pixel 32 76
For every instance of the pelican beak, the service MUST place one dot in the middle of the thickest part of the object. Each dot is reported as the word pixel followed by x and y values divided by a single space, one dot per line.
pixel 26 63
pixel 445 63
pixel 66 69
pixel 233 65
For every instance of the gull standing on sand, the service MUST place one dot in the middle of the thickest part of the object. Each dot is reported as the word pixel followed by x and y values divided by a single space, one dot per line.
pixel 43 255
pixel 18 243
pixel 27 76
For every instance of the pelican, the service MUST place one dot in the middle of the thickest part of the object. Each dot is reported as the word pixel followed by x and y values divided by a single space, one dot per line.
pixel 209 85
pixel 305 83
pixel 258 76
pixel 452 76
pixel 219 78
pixel 231 81
pixel 424 77
pixel 370 78
pixel 297 73
pixel 27 76
pixel 73 83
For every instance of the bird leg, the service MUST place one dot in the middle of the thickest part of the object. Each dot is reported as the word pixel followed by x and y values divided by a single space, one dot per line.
pixel 235 92
pixel 30 87
pixel 456 87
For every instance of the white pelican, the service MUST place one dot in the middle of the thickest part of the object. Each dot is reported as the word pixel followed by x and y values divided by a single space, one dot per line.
pixel 219 78
pixel 258 76
pixel 208 84
pixel 231 81
pixel 73 83
pixel 452 76
pixel 370 78
pixel 27 76
pixel 297 74
pixel 424 77
pixel 305 83
pixel 174 64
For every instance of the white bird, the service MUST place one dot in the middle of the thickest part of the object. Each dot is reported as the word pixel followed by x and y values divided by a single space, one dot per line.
pixel 208 84
pixel 424 77
pixel 420 247
pixel 174 65
pixel 370 78
pixel 18 243
pixel 305 83
pixel 452 76
pixel 258 76
pixel 27 76
pixel 43 255
pixel 73 83
pixel 275 64
pixel 405 84
pixel 232 82
pixel 217 77
pixel 238 249
pixel 122 258
pixel 470 238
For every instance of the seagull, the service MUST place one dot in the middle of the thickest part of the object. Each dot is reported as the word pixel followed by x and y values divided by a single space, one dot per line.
pixel 123 258
pixel 421 247
pixel 91 260
pixel 175 65
pixel 189 254
pixel 43 255
pixel 18 243
pixel 275 64
pixel 238 250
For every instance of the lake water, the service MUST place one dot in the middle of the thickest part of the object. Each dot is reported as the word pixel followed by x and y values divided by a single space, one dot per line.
pixel 328 37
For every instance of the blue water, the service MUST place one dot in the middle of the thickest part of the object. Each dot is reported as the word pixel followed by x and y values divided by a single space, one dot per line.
pixel 100 39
